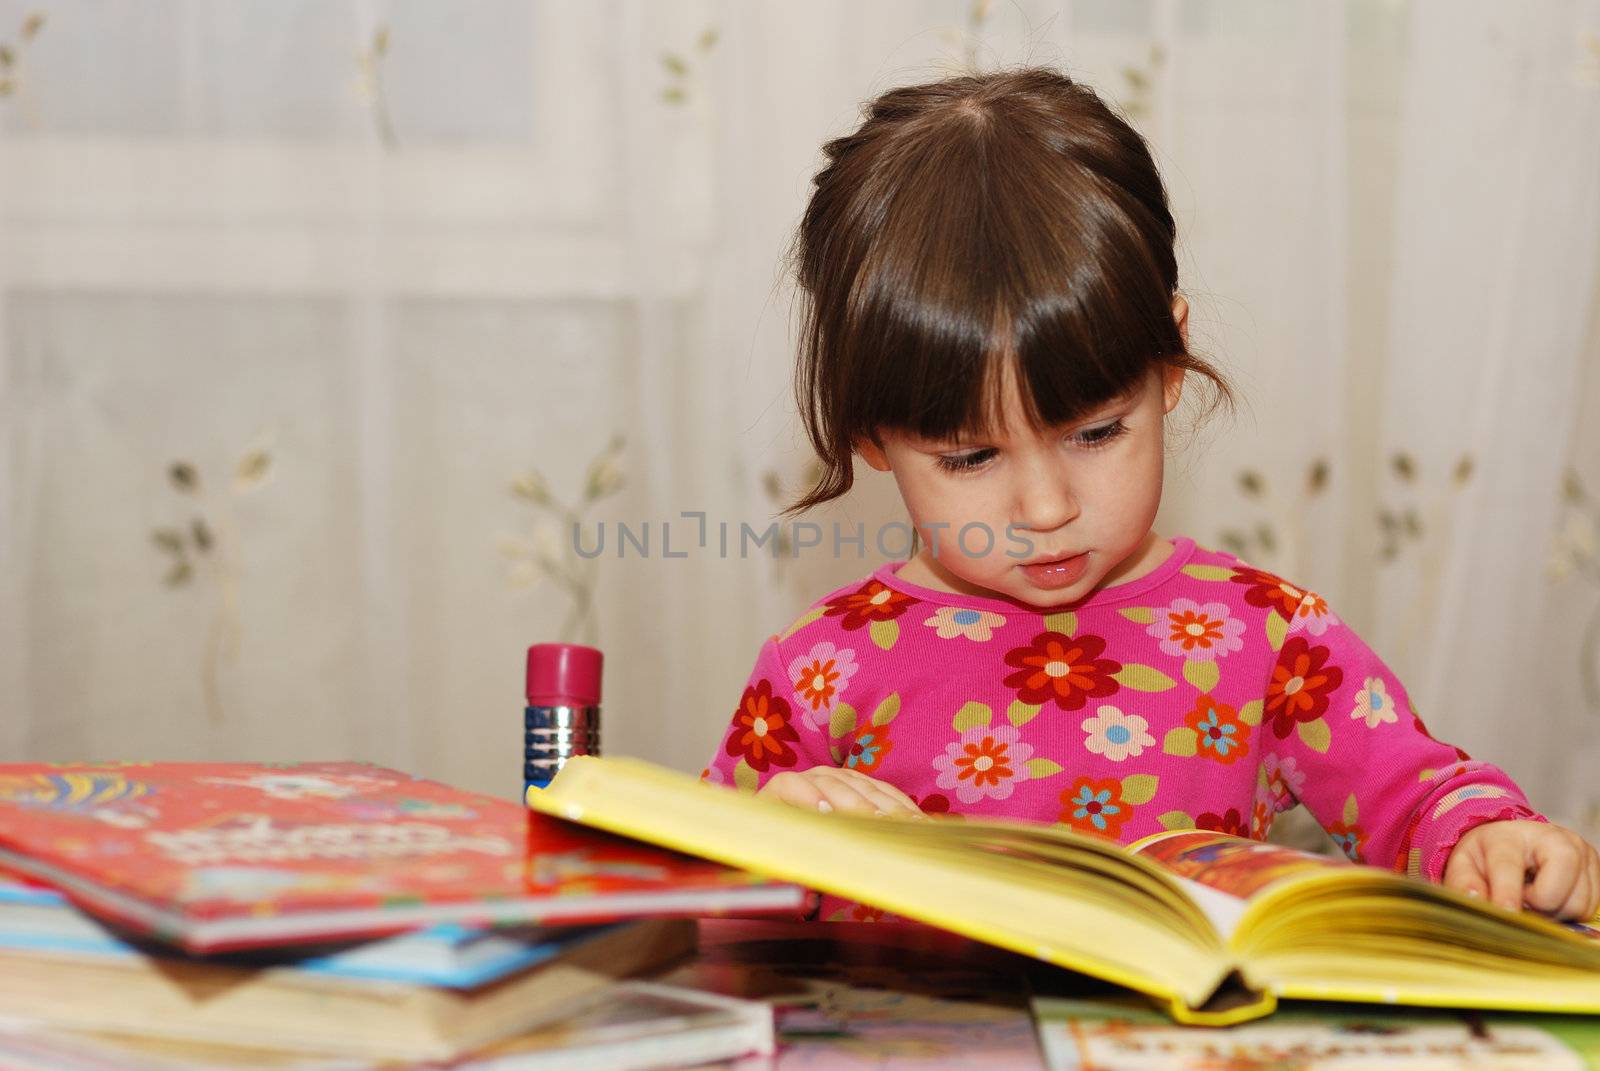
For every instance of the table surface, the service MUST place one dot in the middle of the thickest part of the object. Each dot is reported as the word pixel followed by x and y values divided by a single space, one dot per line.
pixel 852 996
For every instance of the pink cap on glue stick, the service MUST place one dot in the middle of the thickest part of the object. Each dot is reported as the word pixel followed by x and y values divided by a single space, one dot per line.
pixel 563 674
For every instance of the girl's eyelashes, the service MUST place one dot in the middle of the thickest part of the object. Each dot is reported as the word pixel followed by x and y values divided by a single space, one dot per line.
pixel 1088 438
pixel 964 462
pixel 1101 435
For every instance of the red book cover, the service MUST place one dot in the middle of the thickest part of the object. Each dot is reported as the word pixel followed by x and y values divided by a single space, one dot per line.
pixel 215 856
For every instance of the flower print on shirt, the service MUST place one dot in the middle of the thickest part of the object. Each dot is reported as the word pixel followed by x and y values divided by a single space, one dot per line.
pixel 1301 684
pixel 819 677
pixel 872 601
pixel 1374 704
pixel 1116 735
pixel 868 748
pixel 762 729
pixel 1283 779
pixel 1313 615
pixel 985 763
pixel 952 621
pixel 951 685
pixel 1220 732
pixel 1065 670
pixel 1193 630
pixel 1095 806
pixel 1229 821
pixel 1302 609
pixel 1268 591
pixel 1261 817
pixel 1350 839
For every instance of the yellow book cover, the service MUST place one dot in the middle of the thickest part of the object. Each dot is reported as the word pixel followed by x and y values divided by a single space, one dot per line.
pixel 1215 928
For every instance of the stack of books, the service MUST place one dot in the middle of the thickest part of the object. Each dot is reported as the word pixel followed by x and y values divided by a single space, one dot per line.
pixel 340 915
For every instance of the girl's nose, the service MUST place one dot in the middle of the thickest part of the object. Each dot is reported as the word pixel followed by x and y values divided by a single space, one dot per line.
pixel 1046 501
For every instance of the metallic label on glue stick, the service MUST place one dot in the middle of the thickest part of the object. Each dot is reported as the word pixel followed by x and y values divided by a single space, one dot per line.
pixel 553 735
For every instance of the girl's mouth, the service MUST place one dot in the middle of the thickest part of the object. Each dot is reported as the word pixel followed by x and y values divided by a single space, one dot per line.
pixel 1060 573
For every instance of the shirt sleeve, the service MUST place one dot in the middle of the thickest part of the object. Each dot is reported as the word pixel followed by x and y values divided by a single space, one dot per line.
pixel 1341 733
pixel 769 732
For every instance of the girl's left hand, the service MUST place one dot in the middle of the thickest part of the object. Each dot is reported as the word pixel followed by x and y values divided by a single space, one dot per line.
pixel 1516 863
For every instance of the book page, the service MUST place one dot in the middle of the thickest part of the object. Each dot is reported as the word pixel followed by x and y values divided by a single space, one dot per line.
pixel 1233 865
pixel 1222 910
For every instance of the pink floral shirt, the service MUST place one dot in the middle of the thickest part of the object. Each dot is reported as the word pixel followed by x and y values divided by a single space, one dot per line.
pixel 1206 693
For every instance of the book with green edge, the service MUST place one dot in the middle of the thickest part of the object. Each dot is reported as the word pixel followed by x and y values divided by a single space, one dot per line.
pixel 1101 1033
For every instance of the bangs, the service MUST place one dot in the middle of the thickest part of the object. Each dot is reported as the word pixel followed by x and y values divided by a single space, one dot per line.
pixel 1044 273
pixel 942 372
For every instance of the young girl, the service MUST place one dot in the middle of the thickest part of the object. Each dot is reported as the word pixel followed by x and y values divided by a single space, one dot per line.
pixel 992 316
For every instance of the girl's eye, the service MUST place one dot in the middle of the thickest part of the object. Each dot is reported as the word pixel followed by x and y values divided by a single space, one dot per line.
pixel 1089 438
pixel 965 462
pixel 1100 436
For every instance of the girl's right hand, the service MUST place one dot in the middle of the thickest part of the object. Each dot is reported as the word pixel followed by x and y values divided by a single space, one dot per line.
pixel 834 788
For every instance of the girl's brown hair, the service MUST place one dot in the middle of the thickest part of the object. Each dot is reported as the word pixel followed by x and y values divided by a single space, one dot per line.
pixel 984 220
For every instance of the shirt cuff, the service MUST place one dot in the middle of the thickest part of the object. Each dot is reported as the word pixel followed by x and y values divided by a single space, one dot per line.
pixel 1431 846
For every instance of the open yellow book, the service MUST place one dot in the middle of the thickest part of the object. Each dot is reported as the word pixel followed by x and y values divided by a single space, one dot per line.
pixel 1214 927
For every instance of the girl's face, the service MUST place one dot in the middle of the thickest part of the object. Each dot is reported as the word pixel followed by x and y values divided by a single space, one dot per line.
pixel 1079 499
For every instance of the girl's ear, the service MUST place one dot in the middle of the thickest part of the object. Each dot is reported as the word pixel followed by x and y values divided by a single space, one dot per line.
pixel 872 453
pixel 1171 386
pixel 1172 375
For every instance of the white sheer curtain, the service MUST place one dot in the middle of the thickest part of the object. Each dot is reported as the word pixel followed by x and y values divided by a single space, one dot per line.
pixel 1492 302
pixel 392 258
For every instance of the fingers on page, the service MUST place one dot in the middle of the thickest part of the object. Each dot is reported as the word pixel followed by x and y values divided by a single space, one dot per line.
pixel 1560 872
pixel 1463 873
pixel 886 798
pixel 1580 902
pixel 880 801
pixel 1591 904
pixel 793 789
pixel 1506 866
pixel 840 795
pixel 894 793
